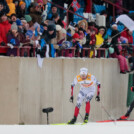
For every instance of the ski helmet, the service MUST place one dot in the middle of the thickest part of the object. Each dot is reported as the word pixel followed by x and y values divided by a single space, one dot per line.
pixel 83 71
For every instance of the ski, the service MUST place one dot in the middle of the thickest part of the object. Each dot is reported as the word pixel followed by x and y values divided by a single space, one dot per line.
pixel 70 124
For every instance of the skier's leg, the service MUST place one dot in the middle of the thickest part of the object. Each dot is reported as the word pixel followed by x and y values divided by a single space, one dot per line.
pixel 130 109
pixel 125 117
pixel 87 109
pixel 80 99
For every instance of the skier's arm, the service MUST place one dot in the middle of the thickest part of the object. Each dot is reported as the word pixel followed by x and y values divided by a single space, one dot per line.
pixel 98 89
pixel 73 85
pixel 72 88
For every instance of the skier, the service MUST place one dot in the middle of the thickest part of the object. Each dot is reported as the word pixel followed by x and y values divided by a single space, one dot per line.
pixel 125 117
pixel 87 90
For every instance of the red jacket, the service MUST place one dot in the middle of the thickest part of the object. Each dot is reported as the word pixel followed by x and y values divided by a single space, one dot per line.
pixel 129 37
pixel 4 28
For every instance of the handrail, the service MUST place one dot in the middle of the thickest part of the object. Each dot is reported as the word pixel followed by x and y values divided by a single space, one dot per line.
pixel 114 5
pixel 124 9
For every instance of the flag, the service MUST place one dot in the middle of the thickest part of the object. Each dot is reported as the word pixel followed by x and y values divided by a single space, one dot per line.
pixel 75 5
pixel 127 21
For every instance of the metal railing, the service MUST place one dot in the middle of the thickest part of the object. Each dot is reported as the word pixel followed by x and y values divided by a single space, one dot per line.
pixel 116 6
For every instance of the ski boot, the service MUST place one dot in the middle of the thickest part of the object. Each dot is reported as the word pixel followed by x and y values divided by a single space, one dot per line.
pixel 86 118
pixel 72 121
pixel 123 117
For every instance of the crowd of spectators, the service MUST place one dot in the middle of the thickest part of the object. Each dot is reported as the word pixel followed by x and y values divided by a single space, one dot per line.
pixel 47 31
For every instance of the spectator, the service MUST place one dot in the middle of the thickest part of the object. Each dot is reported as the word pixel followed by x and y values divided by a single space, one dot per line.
pixel 61 11
pixel 57 20
pixel 11 7
pixel 20 28
pixel 118 10
pixel 13 40
pixel 82 38
pixel 4 7
pixel 53 11
pixel 25 25
pixel 16 2
pixel 5 26
pixel 71 15
pixel 20 9
pixel 83 24
pixel 99 36
pixel 76 44
pixel 122 61
pixel 92 26
pixel 128 35
pixel 116 35
pixel 127 38
pixel 35 13
pixel 51 34
pixel 13 18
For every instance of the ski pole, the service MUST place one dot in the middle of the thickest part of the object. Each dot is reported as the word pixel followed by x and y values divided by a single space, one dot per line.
pixel 109 116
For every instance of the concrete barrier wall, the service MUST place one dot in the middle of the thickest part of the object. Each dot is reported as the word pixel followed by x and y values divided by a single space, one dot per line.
pixel 26 89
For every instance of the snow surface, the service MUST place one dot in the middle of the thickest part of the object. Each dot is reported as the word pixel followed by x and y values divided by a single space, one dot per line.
pixel 125 127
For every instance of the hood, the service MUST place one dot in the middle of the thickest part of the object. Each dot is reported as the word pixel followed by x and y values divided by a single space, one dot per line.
pixel 9 1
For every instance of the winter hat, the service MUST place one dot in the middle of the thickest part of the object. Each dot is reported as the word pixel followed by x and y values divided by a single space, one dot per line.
pixel 76 35
pixel 58 28
pixel 13 15
pixel 40 1
pixel 53 6
pixel 28 18
pixel 18 22
pixel 114 25
pixel 14 27
pixel 51 27
pixel 21 3
pixel 83 71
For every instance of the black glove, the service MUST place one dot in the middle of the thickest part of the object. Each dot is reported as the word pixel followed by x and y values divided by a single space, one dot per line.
pixel 97 98
pixel 72 99
pixel 3 44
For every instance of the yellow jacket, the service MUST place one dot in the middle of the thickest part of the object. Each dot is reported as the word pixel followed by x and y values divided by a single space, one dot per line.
pixel 99 40
pixel 11 7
